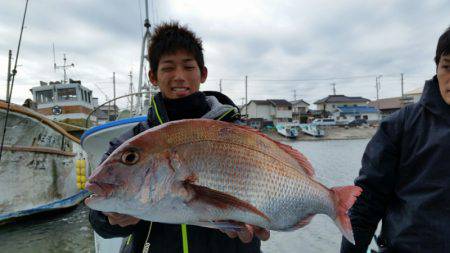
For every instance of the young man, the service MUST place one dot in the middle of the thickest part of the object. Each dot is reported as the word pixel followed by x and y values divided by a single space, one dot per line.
pixel 178 69
pixel 405 173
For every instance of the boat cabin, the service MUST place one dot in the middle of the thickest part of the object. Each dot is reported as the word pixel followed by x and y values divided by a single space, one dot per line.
pixel 65 102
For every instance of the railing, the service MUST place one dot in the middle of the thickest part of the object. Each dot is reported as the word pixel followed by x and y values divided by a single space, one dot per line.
pixel 115 108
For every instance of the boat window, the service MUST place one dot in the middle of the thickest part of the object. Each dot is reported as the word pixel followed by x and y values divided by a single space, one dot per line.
pixel 82 95
pixel 45 96
pixel 67 94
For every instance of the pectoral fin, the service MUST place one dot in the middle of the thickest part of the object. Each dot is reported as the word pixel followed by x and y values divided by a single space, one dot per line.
pixel 221 200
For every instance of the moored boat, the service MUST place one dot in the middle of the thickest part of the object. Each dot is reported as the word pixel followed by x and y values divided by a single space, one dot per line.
pixel 286 130
pixel 42 167
pixel 312 129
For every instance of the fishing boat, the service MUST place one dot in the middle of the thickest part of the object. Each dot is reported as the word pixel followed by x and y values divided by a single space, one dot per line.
pixel 287 130
pixel 312 130
pixel 42 166
pixel 66 102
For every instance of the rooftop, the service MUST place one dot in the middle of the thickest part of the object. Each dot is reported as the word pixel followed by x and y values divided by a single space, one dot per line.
pixel 279 102
pixel 299 101
pixel 341 98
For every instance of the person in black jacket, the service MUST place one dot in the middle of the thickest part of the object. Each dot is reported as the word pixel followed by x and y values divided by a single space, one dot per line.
pixel 405 173
pixel 178 69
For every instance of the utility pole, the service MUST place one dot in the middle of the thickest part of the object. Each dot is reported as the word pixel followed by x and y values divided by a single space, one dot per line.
pixel 246 84
pixel 334 88
pixel 378 84
pixel 114 95
pixel 295 95
pixel 242 107
pixel 378 87
pixel 220 85
pixel 403 95
pixel 8 79
pixel 131 92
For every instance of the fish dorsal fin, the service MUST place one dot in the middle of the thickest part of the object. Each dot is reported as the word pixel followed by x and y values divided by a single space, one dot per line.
pixel 299 157
pixel 221 200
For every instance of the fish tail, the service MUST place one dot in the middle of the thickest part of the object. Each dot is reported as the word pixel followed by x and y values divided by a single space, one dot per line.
pixel 344 197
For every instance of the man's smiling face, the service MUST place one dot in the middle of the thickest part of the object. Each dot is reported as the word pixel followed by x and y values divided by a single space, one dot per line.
pixel 178 75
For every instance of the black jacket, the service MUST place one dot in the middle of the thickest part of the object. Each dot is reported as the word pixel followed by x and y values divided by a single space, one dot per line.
pixel 167 238
pixel 405 176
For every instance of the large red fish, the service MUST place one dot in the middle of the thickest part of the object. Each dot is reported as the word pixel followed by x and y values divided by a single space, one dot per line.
pixel 215 174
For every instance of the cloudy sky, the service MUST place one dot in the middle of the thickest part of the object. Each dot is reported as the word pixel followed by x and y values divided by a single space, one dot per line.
pixel 285 48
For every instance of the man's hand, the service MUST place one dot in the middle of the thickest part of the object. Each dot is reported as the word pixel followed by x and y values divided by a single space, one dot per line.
pixel 247 233
pixel 122 220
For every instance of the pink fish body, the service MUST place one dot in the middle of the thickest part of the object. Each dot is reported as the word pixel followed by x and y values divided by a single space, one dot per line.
pixel 209 173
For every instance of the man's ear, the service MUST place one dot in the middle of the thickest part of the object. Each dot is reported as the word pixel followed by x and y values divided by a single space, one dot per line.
pixel 204 74
pixel 153 78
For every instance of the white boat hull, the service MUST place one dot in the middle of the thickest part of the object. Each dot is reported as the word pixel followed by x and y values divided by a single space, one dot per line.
pixel 312 129
pixel 287 130
pixel 95 142
pixel 38 165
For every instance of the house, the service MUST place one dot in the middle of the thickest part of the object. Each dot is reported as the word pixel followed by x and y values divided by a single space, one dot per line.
pixel 299 107
pixel 277 110
pixel 282 110
pixel 331 102
pixel 349 113
pixel 387 106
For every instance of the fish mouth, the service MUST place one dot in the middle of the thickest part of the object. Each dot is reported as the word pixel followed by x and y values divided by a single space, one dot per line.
pixel 100 189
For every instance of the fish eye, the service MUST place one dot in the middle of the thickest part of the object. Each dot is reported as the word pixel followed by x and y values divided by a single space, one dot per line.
pixel 130 157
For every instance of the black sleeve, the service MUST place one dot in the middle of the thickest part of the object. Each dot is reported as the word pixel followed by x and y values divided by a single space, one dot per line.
pixel 100 224
pixel 377 179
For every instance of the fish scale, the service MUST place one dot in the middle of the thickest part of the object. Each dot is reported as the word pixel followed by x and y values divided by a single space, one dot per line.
pixel 253 178
pixel 206 172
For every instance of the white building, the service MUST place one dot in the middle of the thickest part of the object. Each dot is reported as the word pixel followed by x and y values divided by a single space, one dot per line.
pixel 299 107
pixel 277 110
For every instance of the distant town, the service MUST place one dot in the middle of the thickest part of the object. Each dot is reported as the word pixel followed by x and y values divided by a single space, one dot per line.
pixel 338 109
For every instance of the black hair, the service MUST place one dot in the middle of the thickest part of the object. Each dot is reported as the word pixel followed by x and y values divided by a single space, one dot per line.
pixel 170 37
pixel 443 46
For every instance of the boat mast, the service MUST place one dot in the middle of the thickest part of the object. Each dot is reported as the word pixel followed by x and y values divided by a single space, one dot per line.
pixel 12 78
pixel 139 107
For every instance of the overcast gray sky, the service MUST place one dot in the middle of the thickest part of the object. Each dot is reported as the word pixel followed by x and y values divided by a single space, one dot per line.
pixel 281 46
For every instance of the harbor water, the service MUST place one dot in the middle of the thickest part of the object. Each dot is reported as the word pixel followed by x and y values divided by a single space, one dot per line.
pixel 336 163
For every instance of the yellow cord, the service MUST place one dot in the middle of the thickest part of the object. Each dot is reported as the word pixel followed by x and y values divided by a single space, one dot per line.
pixel 185 238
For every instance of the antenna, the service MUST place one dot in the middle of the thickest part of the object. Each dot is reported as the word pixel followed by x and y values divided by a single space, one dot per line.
pixel 64 66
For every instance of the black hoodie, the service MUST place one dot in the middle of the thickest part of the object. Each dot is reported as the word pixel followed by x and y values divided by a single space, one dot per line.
pixel 405 177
